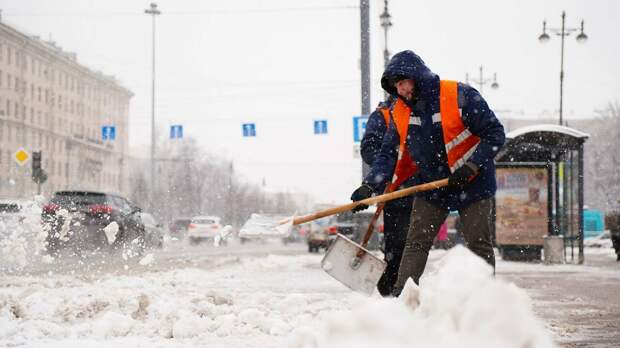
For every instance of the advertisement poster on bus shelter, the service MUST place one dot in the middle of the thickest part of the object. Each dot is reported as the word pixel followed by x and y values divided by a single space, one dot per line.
pixel 521 206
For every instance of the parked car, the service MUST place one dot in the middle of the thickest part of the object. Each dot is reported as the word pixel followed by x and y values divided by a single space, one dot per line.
pixel 203 228
pixel 262 227
pixel 355 225
pixel 16 210
pixel 85 220
pixel 178 227
pixel 154 237
pixel 321 233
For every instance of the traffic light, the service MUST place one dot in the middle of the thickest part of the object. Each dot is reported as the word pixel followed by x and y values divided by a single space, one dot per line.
pixel 36 161
pixel 38 174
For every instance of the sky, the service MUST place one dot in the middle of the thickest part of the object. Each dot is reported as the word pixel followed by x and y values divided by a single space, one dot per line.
pixel 283 64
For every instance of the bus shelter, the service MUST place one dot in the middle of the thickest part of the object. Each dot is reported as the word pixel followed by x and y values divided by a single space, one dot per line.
pixel 540 191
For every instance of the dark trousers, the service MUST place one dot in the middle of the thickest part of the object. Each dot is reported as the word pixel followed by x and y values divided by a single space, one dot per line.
pixel 425 222
pixel 395 227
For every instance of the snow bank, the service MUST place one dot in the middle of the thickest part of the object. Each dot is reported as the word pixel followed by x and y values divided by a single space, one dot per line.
pixel 22 239
pixel 274 301
pixel 460 305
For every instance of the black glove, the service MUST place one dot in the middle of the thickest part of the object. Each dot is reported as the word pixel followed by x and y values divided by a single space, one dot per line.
pixel 362 192
pixel 463 176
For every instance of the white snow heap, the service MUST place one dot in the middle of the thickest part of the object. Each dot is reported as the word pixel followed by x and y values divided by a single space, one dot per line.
pixel 22 238
pixel 460 305
pixel 110 231
pixel 147 260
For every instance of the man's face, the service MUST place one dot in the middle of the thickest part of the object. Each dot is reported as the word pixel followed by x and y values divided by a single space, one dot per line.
pixel 404 88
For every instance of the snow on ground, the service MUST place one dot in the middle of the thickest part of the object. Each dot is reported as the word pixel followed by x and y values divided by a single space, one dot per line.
pixel 22 239
pixel 272 301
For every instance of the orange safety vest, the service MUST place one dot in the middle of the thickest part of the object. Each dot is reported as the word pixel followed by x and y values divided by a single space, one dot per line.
pixel 460 143
pixel 405 166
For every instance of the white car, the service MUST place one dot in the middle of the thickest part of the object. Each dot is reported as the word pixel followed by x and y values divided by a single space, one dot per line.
pixel 203 228
pixel 262 226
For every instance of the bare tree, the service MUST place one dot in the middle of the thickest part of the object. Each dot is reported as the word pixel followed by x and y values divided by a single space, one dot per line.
pixel 191 182
pixel 602 160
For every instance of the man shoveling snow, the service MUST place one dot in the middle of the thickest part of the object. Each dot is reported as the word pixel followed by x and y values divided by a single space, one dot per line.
pixel 450 131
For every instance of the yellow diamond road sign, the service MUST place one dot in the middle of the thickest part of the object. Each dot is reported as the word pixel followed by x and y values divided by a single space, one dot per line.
pixel 21 156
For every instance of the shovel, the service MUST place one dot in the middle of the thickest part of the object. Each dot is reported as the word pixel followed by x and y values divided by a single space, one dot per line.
pixel 351 263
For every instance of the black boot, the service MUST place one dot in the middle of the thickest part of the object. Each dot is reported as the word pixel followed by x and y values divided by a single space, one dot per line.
pixel 618 257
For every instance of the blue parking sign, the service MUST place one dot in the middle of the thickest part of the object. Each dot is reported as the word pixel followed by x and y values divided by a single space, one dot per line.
pixel 108 132
pixel 176 131
pixel 359 127
pixel 249 129
pixel 320 127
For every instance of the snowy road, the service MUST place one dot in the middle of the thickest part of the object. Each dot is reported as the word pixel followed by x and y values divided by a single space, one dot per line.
pixel 272 295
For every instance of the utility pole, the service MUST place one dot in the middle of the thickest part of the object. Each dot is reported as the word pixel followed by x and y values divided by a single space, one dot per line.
pixel 365 55
pixel 153 12
pixel 365 63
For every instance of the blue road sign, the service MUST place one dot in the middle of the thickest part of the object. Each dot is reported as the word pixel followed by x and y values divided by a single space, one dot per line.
pixel 249 129
pixel 320 127
pixel 176 131
pixel 359 127
pixel 108 132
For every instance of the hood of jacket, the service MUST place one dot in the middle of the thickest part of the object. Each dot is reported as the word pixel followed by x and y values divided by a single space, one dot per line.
pixel 409 64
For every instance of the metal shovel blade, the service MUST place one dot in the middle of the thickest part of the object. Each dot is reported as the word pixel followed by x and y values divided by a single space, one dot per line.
pixel 358 274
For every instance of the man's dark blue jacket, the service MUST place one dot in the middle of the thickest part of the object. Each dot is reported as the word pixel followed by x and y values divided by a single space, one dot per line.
pixel 372 141
pixel 425 142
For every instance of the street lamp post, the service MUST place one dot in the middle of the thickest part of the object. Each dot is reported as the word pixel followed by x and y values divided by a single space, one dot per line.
pixel 481 81
pixel 562 33
pixel 386 23
pixel 153 12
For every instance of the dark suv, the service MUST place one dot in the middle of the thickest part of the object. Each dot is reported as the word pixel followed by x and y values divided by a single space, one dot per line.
pixel 84 220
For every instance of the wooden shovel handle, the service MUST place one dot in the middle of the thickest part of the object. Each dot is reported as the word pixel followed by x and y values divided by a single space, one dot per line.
pixel 373 221
pixel 370 201
pixel 370 229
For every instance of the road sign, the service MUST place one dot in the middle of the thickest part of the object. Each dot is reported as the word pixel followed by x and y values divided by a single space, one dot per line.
pixel 320 127
pixel 21 156
pixel 359 127
pixel 176 131
pixel 249 130
pixel 108 132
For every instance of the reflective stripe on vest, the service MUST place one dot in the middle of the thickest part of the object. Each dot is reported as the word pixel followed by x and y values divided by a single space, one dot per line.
pixel 405 166
pixel 459 141
pixel 386 116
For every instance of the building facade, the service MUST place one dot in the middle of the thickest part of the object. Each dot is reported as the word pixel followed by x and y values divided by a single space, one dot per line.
pixel 51 103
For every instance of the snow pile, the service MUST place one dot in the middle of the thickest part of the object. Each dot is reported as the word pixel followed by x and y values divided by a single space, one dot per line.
pixel 110 232
pixel 22 239
pixel 460 305
pixel 147 260
pixel 273 301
